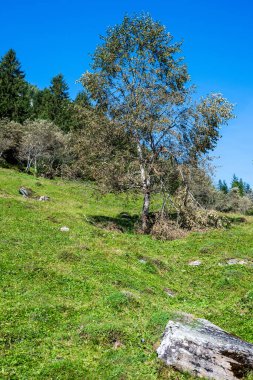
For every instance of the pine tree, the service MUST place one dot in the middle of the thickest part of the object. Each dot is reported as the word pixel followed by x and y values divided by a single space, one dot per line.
pixel 247 188
pixel 59 110
pixel 241 187
pixel 59 88
pixel 82 99
pixel 14 94
pixel 236 182
pixel 53 104
pixel 43 104
pixel 222 186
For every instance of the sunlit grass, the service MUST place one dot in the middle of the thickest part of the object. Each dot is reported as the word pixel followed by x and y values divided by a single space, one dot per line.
pixel 68 297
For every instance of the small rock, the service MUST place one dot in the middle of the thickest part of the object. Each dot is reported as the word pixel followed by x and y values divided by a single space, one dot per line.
pixel 142 261
pixel 64 229
pixel 195 263
pixel 169 292
pixel 237 261
pixel 25 191
pixel 44 198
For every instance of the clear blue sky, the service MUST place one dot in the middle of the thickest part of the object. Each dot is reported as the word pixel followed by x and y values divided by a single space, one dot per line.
pixel 58 35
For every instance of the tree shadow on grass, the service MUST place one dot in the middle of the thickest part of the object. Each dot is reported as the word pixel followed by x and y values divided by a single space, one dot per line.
pixel 123 222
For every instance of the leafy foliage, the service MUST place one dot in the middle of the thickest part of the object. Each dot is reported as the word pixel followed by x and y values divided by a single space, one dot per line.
pixel 236 198
pixel 10 135
pixel 42 146
pixel 139 82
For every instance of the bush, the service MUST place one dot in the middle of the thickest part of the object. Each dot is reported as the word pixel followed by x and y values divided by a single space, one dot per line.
pixel 165 229
pixel 200 218
pixel 192 216
pixel 233 202
pixel 42 147
pixel 10 136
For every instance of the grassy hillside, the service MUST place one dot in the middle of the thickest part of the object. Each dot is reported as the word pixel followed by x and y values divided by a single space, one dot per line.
pixel 90 303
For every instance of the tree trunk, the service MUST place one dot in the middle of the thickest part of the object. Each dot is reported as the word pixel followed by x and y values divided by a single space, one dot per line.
pixel 28 166
pixel 145 210
pixel 145 179
pixel 35 167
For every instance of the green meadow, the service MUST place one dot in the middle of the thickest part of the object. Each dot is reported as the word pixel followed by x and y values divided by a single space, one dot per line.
pixel 92 302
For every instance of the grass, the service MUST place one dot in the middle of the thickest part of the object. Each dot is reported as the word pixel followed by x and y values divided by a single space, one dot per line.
pixel 90 303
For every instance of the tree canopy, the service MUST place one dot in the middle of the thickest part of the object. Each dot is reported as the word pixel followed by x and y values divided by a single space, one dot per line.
pixel 140 82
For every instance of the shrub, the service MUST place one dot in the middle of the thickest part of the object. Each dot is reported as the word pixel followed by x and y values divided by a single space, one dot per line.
pixel 10 136
pixel 42 147
pixel 165 229
pixel 233 202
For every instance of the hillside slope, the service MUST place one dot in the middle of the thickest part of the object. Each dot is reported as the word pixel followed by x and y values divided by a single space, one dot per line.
pixel 91 303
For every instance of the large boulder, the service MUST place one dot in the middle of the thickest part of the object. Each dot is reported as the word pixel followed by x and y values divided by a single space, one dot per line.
pixel 205 350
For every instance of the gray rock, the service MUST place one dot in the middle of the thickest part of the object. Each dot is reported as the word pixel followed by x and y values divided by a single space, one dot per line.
pixel 44 198
pixel 25 192
pixel 169 292
pixel 237 261
pixel 195 263
pixel 205 350
pixel 64 229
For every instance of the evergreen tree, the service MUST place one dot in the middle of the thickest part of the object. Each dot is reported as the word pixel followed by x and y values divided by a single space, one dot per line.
pixel 14 95
pixel 59 111
pixel 223 187
pixel 241 187
pixel 244 187
pixel 42 104
pixel 53 104
pixel 82 99
pixel 247 188
pixel 236 182
pixel 59 88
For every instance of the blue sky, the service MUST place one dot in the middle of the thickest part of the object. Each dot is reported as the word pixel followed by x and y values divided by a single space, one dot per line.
pixel 58 36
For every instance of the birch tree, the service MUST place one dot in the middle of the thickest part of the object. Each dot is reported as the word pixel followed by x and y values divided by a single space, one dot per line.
pixel 141 84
